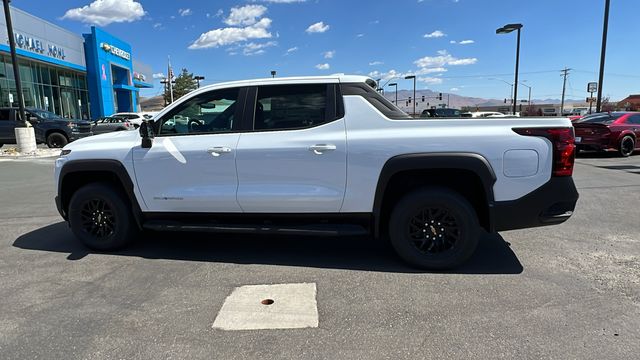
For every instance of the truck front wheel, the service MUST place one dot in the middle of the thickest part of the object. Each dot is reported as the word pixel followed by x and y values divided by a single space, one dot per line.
pixel 100 217
pixel 434 228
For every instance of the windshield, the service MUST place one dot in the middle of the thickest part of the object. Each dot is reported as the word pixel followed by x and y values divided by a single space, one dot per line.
pixel 601 118
pixel 44 114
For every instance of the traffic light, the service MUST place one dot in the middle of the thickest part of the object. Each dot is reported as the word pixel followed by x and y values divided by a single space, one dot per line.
pixel 409 99
pixel 422 98
pixel 505 101
pixel 440 96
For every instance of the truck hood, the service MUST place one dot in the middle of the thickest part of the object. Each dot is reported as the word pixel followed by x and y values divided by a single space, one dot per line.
pixel 116 139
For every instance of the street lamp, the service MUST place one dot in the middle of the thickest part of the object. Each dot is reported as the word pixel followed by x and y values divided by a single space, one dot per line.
pixel 528 101
pixel 273 73
pixel 505 30
pixel 414 91
pixel 603 51
pixel 511 91
pixel 198 78
pixel 396 85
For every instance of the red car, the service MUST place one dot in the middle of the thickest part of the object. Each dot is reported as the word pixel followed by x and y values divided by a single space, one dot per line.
pixel 605 131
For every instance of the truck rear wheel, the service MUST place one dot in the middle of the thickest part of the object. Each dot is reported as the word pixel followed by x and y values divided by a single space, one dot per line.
pixel 434 228
pixel 101 218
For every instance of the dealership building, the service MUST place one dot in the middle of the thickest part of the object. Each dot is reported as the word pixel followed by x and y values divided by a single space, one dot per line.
pixel 75 76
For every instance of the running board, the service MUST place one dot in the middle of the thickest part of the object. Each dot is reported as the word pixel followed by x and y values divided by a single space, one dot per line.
pixel 308 230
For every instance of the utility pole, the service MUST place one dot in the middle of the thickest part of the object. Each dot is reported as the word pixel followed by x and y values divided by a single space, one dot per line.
pixel 603 51
pixel 565 73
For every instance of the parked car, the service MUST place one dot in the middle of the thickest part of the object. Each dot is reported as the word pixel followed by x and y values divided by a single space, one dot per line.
pixel 484 114
pixel 49 128
pixel 134 118
pixel 319 156
pixel 109 124
pixel 609 131
pixel 443 112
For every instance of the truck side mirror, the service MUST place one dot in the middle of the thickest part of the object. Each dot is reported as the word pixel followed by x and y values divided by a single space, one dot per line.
pixel 146 133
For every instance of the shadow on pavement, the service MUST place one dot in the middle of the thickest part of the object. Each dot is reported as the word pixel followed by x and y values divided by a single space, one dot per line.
pixel 493 255
pixel 601 154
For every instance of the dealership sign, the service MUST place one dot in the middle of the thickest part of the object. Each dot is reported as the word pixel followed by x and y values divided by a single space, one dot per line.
pixel 38 46
pixel 115 51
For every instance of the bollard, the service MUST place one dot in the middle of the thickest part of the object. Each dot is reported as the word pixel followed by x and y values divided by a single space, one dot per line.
pixel 26 140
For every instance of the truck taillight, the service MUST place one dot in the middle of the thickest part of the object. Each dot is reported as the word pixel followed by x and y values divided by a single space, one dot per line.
pixel 564 147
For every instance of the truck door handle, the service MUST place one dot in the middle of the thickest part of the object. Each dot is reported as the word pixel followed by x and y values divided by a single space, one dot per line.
pixel 219 150
pixel 319 149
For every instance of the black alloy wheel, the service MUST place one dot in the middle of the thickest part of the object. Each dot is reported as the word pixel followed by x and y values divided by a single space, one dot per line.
pixel 627 146
pixel 434 228
pixel 97 218
pixel 100 216
pixel 56 140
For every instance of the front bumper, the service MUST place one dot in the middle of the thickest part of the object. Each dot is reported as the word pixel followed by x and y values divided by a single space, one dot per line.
pixel 552 203
pixel 79 135
pixel 59 207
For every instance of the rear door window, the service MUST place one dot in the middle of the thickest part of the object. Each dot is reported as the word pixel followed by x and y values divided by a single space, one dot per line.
pixel 281 107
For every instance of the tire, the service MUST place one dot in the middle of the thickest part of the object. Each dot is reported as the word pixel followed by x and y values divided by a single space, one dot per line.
pixel 627 146
pixel 447 246
pixel 100 202
pixel 56 140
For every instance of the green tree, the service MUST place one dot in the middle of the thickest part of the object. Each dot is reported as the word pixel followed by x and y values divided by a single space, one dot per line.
pixel 184 84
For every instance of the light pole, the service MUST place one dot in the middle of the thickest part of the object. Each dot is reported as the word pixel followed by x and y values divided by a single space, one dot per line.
pixel 396 85
pixel 198 78
pixel 603 51
pixel 528 101
pixel 414 91
pixel 511 91
pixel 505 30
pixel 24 132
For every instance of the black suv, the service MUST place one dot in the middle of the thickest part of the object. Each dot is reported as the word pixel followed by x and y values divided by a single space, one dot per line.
pixel 50 128
pixel 440 112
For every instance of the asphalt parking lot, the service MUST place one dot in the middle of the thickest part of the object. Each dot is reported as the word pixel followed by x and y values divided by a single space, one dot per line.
pixel 569 291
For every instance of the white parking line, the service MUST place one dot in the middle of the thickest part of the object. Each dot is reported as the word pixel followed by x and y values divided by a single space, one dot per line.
pixel 279 306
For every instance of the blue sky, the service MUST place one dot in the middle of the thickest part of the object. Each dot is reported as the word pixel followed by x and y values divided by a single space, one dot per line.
pixel 231 40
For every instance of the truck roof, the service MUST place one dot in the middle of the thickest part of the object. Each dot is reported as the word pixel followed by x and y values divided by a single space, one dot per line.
pixel 342 78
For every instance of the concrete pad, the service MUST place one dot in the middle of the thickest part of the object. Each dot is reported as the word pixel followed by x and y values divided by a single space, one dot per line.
pixel 294 306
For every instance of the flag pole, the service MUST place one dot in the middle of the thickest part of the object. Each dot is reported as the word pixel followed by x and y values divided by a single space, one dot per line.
pixel 170 77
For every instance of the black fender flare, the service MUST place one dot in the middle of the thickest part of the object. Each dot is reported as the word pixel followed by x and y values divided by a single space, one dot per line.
pixel 427 161
pixel 102 165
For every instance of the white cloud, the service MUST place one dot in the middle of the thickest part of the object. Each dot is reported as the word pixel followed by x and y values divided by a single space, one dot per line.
pixel 375 63
pixel 360 35
pixel 443 58
pixel 158 76
pixel 218 13
pixel 318 27
pixel 435 34
pixel 324 66
pixel 453 42
pixel 157 25
pixel 254 48
pixel 465 42
pixel 454 89
pixel 329 54
pixel 245 15
pixel 184 12
pixel 230 35
pixel 425 70
pixel 105 12
pixel 292 49
pixel 430 80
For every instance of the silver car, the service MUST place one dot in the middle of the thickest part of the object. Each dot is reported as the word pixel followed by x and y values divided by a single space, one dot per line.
pixel 109 124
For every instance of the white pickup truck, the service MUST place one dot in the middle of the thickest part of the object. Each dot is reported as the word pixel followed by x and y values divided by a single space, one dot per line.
pixel 322 156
